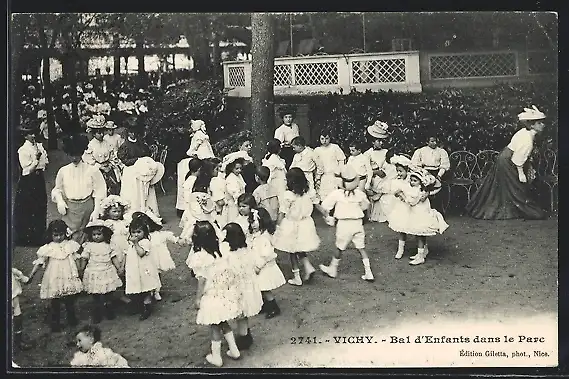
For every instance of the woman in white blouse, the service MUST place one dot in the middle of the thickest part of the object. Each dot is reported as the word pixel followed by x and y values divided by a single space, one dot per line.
pixel 30 208
pixel 504 193
pixel 79 189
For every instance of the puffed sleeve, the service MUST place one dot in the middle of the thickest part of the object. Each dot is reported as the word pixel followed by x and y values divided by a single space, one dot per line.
pixel 285 200
pixel 43 254
pixel 99 185
pixel 217 189
pixel 445 161
pixel 416 158
pixel 145 244
pixel 86 253
pixel 279 134
pixel 199 263
pixel 340 156
pixel 522 151
pixel 27 161
pixel 197 139
pixel 330 201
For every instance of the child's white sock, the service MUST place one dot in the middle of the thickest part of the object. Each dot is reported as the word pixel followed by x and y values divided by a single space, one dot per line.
pixel 400 249
pixel 334 263
pixel 368 275
pixel 233 349
pixel 419 258
pixel 296 281
pixel 215 357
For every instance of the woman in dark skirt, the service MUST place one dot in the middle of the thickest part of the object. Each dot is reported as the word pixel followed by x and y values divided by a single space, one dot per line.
pixel 504 193
pixel 30 208
pixel 286 133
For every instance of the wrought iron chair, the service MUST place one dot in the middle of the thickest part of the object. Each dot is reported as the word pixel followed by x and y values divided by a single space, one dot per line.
pixel 162 159
pixel 547 173
pixel 462 167
pixel 485 161
pixel 154 150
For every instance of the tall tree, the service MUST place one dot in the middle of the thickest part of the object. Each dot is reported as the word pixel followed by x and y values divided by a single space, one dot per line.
pixel 262 76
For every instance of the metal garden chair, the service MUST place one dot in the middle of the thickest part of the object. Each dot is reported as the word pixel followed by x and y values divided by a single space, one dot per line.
pixel 485 161
pixel 462 167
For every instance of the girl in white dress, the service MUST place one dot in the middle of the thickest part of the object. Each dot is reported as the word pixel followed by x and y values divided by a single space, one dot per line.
pixel 159 250
pixel 381 202
pixel 412 213
pixel 247 204
pixel 98 150
pixel 61 276
pixel 329 159
pixel 277 167
pixel 296 232
pixel 251 300
pixel 217 297
pixel 99 264
pixel 114 139
pixel 218 192
pixel 189 173
pixel 234 185
pixel 142 277
pixel 200 147
pixel 269 275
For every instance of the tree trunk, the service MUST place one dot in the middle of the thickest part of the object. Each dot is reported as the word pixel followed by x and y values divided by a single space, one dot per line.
pixel 262 75
pixel 140 57
pixel 17 42
pixel 116 62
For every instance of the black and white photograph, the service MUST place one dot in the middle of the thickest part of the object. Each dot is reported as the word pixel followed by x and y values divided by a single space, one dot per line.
pixel 200 191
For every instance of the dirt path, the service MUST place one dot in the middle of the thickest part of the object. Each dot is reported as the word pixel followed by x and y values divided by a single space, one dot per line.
pixel 479 276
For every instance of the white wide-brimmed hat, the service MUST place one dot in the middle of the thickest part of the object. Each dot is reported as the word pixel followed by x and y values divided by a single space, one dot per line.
pixel 531 114
pixel 149 170
pixel 97 122
pixel 98 223
pixel 426 178
pixel 232 157
pixel 110 125
pixel 111 201
pixel 400 160
pixel 379 129
pixel 196 125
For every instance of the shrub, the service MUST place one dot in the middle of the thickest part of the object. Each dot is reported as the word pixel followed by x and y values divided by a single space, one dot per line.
pixel 465 119
pixel 170 113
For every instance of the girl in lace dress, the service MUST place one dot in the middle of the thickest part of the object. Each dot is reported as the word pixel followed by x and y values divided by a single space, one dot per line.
pixel 218 192
pixel 381 202
pixel 159 250
pixel 414 216
pixel 217 297
pixel 92 353
pixel 251 300
pixel 61 275
pixel 296 232
pixel 116 216
pixel 100 264
pixel 235 186
pixel 142 277
pixel 269 275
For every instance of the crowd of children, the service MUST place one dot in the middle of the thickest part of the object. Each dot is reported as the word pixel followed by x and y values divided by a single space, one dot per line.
pixel 232 228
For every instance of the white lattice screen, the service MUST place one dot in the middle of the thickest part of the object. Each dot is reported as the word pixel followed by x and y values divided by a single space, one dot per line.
pixel 283 75
pixel 378 71
pixel 473 65
pixel 237 76
pixel 314 74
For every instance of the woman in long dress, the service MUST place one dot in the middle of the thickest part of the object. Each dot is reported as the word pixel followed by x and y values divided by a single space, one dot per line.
pixel 504 193
pixel 79 189
pixel 30 208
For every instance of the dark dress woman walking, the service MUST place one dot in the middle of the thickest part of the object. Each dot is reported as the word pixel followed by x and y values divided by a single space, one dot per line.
pixel 30 206
pixel 504 193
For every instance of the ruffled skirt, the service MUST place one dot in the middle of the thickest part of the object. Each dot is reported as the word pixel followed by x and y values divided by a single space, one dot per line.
pixel 295 236
pixel 100 278
pixel 60 279
pixel 270 277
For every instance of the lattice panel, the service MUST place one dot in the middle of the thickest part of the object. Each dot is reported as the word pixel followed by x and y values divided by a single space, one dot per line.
pixel 542 62
pixel 283 75
pixel 475 65
pixel 237 76
pixel 379 71
pixel 315 74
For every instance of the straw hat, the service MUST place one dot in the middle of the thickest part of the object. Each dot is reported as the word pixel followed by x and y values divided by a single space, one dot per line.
pixel 110 125
pixel 97 122
pixel 401 160
pixel 149 170
pixel 97 224
pixel 379 129
pixel 531 114
pixel 427 179
pixel 113 200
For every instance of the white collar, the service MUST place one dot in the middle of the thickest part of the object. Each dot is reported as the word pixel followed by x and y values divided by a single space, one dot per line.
pixel 130 140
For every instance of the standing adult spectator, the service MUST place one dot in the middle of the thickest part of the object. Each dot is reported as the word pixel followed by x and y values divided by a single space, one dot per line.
pixel 79 188
pixel 504 193
pixel 286 133
pixel 30 208
pixel 436 161
pixel 133 148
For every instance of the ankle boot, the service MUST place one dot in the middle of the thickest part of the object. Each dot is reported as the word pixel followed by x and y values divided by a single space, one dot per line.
pixel 70 311
pixel 244 342
pixel 146 311
pixel 273 309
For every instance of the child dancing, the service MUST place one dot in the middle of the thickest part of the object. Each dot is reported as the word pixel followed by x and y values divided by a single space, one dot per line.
pixel 217 297
pixel 61 276
pixel 349 204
